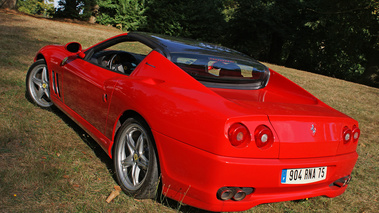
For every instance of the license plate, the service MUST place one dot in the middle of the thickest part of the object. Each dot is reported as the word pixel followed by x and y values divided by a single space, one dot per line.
pixel 303 176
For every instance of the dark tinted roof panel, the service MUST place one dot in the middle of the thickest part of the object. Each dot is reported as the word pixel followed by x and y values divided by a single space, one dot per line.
pixel 213 65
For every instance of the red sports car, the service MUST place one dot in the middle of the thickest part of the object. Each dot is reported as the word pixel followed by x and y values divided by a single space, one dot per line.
pixel 217 129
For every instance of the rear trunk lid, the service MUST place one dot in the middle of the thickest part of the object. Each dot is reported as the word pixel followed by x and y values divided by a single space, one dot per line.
pixel 304 126
pixel 304 130
pixel 308 136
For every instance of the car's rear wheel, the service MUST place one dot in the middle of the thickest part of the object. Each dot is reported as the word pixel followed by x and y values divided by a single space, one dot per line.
pixel 37 84
pixel 135 159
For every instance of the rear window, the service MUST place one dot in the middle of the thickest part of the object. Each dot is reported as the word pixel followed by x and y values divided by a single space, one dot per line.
pixel 214 71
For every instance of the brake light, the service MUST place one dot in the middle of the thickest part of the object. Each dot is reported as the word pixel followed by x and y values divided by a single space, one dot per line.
pixel 356 132
pixel 239 135
pixel 264 138
pixel 346 134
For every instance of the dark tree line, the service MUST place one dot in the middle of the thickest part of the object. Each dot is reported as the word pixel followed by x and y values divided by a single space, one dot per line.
pixel 330 37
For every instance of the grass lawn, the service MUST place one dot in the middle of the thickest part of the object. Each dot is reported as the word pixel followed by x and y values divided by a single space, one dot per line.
pixel 49 164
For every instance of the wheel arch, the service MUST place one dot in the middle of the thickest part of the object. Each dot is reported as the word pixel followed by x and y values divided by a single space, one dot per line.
pixel 124 116
pixel 39 56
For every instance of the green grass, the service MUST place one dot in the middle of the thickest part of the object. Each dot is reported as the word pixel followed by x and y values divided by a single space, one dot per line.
pixel 49 164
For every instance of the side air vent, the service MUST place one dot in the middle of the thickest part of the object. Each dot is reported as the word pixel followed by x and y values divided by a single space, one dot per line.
pixel 55 79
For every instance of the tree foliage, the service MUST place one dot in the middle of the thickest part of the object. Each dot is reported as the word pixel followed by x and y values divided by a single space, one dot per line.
pixel 75 9
pixel 186 18
pixel 124 14
pixel 330 37
pixel 36 7
pixel 346 35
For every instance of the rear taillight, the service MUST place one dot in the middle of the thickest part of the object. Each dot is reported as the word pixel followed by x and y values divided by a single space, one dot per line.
pixel 346 134
pixel 263 137
pixel 356 132
pixel 239 135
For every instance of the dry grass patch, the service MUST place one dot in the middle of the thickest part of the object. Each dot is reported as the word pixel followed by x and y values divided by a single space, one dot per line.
pixel 49 164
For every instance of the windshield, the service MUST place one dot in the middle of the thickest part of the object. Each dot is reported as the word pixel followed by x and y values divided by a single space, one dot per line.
pixel 215 71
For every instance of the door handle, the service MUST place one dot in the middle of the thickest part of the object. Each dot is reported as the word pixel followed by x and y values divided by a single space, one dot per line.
pixel 64 61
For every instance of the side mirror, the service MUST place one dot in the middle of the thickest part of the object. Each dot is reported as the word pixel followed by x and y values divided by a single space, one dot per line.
pixel 75 47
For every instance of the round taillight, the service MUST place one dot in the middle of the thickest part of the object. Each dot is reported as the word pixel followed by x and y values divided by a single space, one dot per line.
pixel 356 132
pixel 264 137
pixel 346 134
pixel 239 135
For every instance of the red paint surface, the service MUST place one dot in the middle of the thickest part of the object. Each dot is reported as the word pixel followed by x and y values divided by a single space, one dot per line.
pixel 190 124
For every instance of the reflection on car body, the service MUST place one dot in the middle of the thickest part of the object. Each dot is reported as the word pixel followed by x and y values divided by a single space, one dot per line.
pixel 215 128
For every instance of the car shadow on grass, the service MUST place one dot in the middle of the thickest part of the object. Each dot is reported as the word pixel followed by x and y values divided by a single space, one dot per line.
pixel 104 158
pixel 177 206
pixel 91 143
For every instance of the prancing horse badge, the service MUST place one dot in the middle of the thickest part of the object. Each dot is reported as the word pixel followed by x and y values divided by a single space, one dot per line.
pixel 313 129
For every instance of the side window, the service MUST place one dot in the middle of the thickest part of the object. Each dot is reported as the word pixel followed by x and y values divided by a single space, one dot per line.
pixel 122 57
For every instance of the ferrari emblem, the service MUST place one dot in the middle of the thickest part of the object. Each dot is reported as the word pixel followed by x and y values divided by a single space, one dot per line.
pixel 313 129
pixel 135 157
pixel 44 86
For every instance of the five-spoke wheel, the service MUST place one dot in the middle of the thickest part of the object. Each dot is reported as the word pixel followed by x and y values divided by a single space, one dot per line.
pixel 135 159
pixel 37 84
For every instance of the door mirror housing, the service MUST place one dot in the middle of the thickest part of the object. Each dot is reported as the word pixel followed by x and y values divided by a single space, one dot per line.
pixel 75 47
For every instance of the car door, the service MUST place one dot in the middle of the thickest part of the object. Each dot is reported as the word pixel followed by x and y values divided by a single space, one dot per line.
pixel 87 90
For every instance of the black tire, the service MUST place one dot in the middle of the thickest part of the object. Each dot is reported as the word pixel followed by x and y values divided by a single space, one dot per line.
pixel 37 84
pixel 135 159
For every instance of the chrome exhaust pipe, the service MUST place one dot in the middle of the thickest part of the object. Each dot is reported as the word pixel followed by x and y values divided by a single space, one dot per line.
pixel 225 193
pixel 342 181
pixel 239 195
pixel 234 193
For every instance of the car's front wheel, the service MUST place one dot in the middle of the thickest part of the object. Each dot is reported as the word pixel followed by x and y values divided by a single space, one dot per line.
pixel 135 159
pixel 37 84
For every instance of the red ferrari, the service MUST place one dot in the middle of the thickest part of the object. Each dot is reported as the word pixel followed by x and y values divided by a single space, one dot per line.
pixel 217 129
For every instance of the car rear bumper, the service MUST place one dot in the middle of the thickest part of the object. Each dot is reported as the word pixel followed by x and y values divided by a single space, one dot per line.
pixel 193 176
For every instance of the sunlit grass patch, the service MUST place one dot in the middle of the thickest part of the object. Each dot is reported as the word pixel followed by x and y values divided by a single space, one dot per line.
pixel 50 164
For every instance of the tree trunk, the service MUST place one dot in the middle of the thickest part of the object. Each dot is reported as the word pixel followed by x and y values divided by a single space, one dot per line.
pixel 371 73
pixel 10 4
pixel 276 47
